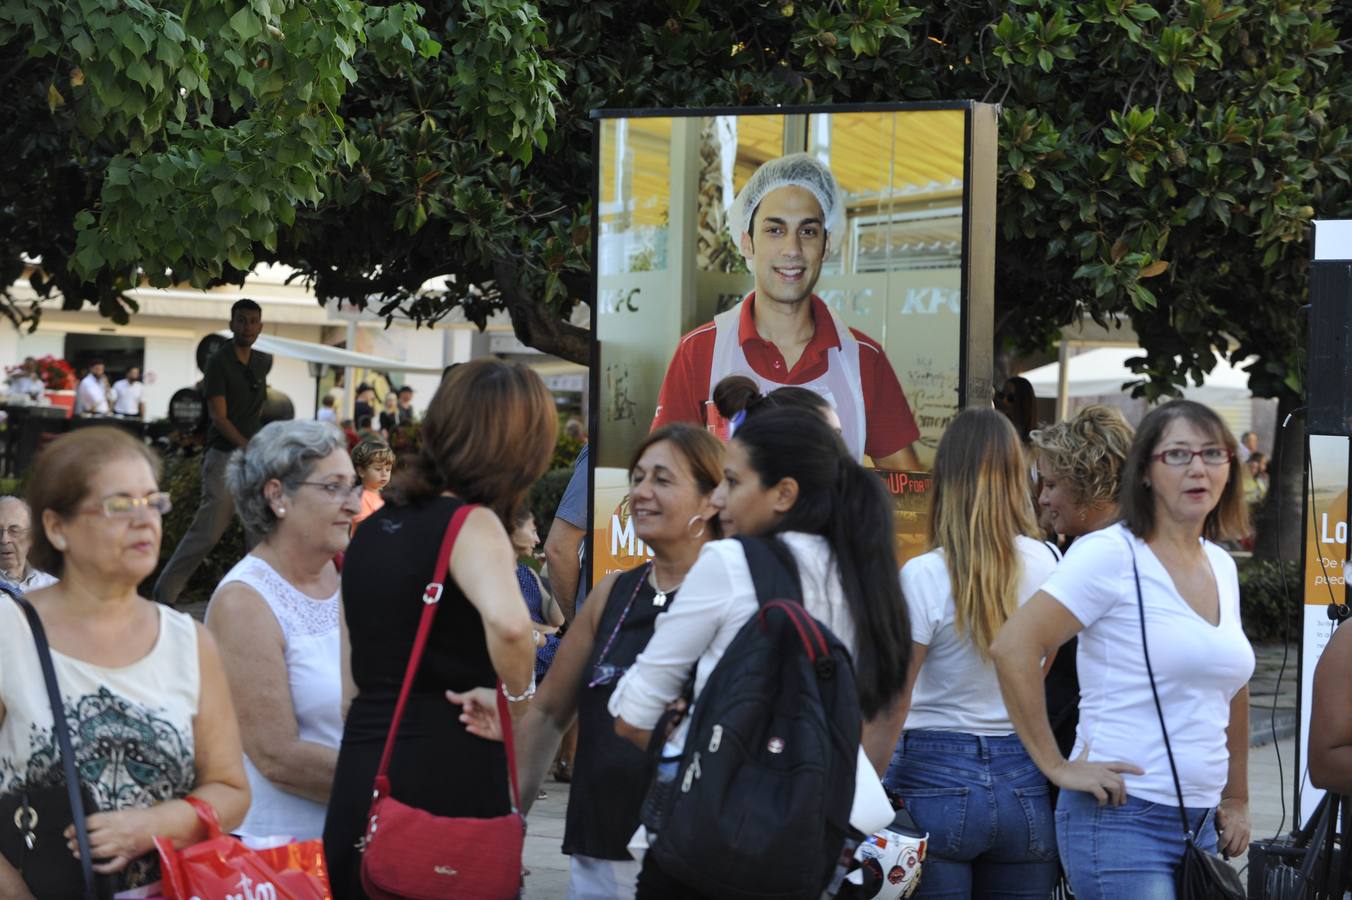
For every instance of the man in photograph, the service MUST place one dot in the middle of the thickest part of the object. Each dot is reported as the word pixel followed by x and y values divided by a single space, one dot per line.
pixel 784 334
pixel 91 396
pixel 128 395
pixel 235 387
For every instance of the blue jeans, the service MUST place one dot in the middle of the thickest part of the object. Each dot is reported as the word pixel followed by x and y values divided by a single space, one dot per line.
pixel 1125 852
pixel 988 812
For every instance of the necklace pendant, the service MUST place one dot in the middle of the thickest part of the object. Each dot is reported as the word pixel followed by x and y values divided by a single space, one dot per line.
pixel 660 599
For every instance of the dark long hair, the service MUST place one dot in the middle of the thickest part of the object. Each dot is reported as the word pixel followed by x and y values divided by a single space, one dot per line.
pixel 738 393
pixel 846 504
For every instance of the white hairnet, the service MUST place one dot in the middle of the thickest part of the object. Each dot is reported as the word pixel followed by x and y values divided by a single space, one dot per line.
pixel 800 169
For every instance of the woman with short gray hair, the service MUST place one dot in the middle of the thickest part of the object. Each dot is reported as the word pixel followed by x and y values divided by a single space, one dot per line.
pixel 275 616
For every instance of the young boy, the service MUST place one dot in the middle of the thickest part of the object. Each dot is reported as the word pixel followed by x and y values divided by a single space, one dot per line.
pixel 374 460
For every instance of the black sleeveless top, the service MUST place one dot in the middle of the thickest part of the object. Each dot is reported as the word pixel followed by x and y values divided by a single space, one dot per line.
pixel 387 566
pixel 610 775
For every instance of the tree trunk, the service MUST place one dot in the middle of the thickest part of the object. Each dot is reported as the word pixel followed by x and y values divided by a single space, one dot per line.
pixel 1279 525
pixel 534 325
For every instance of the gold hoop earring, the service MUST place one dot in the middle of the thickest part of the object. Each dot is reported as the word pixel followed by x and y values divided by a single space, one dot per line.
pixel 699 534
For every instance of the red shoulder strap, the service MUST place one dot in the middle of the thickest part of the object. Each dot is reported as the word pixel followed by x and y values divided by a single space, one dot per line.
pixel 431 599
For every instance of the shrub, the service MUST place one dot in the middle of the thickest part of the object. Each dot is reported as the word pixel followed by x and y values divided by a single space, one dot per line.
pixel 182 479
pixel 1264 606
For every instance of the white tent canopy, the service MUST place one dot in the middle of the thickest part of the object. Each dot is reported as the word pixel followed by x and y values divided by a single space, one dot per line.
pixel 1103 371
pixel 333 356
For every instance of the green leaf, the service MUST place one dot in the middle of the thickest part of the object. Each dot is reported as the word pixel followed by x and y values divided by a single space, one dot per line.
pixel 245 24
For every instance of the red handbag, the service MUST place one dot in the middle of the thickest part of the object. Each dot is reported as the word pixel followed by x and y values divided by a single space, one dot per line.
pixel 409 854
pixel 222 868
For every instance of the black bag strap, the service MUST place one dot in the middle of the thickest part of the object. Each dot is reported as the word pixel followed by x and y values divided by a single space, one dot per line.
pixel 77 809
pixel 1159 710
pixel 773 570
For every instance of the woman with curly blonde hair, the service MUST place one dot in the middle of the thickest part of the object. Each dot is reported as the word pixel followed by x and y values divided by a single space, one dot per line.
pixel 1079 463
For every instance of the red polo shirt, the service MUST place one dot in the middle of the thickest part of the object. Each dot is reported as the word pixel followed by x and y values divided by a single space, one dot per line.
pixel 890 425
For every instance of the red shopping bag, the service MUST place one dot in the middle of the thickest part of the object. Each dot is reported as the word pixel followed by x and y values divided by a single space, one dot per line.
pixel 222 868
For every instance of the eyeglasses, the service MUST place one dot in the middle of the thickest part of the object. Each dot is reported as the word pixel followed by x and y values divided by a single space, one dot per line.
pixel 120 506
pixel 14 532
pixel 1182 456
pixel 337 490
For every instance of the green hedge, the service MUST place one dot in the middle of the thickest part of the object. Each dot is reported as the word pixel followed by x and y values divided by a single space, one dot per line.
pixel 182 478
pixel 1264 606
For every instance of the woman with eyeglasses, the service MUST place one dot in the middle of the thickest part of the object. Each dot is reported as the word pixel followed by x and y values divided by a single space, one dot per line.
pixel 145 694
pixel 488 435
pixel 1155 582
pixel 672 479
pixel 275 617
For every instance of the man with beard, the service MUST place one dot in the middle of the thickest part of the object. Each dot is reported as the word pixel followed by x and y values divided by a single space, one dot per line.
pixel 235 388
pixel 784 334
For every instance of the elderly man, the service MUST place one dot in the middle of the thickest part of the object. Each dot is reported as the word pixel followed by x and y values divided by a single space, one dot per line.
pixel 15 539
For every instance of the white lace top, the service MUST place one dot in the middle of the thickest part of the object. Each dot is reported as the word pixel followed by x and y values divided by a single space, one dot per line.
pixel 310 629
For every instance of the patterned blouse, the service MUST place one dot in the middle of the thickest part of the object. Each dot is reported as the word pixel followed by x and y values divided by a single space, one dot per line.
pixel 131 726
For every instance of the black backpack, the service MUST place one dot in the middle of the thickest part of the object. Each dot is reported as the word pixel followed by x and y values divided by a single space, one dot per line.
pixel 760 804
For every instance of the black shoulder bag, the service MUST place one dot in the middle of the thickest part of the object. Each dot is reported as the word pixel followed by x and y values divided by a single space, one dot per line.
pixel 1200 875
pixel 32 820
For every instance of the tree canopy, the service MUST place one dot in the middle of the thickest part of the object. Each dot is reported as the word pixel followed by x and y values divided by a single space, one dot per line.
pixel 1158 161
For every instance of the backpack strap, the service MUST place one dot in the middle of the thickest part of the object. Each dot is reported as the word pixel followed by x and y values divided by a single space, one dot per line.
pixel 773 570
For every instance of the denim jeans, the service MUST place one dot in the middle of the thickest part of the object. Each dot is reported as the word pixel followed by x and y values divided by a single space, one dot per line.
pixel 988 812
pixel 1125 852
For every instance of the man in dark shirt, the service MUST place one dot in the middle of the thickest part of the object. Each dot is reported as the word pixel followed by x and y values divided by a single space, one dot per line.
pixel 406 416
pixel 235 388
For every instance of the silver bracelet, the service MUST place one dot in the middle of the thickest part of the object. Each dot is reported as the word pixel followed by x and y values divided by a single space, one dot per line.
pixel 526 695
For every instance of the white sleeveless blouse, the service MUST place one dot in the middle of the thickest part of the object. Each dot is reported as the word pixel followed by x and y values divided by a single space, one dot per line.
pixel 131 727
pixel 314 672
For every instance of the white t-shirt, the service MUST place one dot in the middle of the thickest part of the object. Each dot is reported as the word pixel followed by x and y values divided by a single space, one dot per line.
pixel 90 396
pixel 956 689
pixel 127 397
pixel 716 598
pixel 1198 667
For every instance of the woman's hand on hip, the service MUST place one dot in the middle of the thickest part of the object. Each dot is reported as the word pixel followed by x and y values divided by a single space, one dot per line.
pixel 1102 779
pixel 1233 827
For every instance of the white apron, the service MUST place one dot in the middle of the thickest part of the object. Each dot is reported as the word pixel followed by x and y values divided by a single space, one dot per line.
pixel 841 386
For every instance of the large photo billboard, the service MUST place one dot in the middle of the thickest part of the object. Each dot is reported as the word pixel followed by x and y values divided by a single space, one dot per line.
pixel 824 249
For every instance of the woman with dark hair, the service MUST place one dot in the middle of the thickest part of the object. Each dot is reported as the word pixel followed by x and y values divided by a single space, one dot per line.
pixel 1153 582
pixel 959 766
pixel 488 435
pixel 1019 404
pixel 786 475
pixel 737 397
pixel 672 478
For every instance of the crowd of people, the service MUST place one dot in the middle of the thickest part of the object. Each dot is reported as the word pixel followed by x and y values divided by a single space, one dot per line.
pixel 1031 689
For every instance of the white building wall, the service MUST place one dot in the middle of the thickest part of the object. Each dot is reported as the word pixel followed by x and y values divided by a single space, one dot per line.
pixel 170 364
